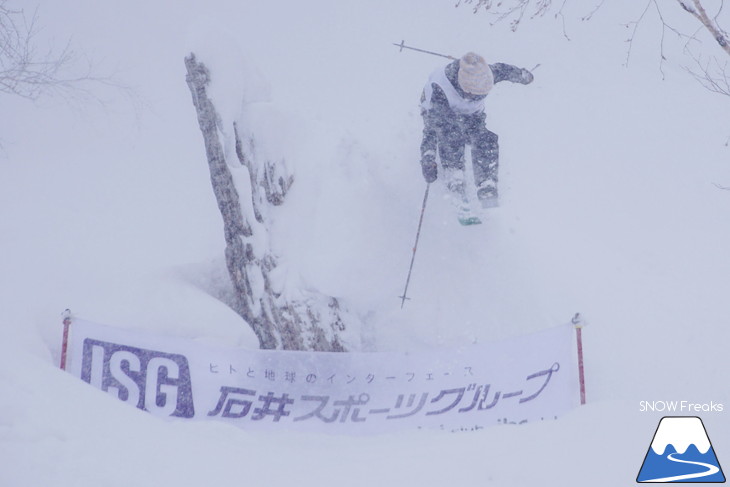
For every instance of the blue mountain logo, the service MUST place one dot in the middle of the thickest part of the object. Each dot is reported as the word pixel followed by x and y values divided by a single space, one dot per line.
pixel 681 452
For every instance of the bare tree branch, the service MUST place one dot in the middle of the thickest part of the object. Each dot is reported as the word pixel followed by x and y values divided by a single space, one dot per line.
pixel 709 71
pixel 635 23
pixel 517 10
pixel 712 75
pixel 29 72
pixel 23 71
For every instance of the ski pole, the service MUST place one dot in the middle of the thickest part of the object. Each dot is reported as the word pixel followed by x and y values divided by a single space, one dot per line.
pixel 403 46
pixel 415 246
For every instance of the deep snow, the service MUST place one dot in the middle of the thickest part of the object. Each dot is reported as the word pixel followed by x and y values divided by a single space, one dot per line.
pixel 608 209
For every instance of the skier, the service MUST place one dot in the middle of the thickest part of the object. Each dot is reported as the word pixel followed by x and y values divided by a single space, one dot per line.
pixel 452 106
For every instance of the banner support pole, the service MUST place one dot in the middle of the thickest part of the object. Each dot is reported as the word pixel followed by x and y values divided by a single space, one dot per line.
pixel 64 344
pixel 578 323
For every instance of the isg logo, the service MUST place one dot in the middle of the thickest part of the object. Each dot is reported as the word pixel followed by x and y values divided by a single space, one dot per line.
pixel 154 381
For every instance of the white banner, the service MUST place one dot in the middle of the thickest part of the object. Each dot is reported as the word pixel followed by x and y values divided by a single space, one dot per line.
pixel 515 381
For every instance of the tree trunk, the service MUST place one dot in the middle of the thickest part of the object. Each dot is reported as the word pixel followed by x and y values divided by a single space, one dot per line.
pixel 314 322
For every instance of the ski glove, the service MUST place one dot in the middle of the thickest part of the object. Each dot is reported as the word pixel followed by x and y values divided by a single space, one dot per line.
pixel 526 76
pixel 429 167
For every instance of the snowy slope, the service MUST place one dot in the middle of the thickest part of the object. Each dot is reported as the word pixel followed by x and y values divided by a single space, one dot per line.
pixel 608 209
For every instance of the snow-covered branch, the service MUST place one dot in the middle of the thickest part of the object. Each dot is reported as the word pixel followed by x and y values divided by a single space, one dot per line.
pixel 697 10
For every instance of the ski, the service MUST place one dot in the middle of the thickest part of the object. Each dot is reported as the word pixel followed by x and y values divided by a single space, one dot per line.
pixel 469 220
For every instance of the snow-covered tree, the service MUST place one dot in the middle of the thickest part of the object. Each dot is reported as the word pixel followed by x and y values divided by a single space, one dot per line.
pixel 299 319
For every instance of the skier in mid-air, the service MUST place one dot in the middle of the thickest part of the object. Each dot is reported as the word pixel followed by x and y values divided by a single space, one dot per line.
pixel 452 106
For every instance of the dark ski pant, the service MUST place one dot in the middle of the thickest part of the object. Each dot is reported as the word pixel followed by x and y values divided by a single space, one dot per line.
pixel 450 137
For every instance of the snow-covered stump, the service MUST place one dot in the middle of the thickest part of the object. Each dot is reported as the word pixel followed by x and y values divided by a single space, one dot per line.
pixel 312 321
